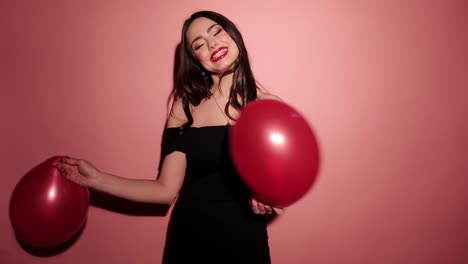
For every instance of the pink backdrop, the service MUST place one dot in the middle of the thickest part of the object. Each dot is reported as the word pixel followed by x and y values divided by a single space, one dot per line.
pixel 383 83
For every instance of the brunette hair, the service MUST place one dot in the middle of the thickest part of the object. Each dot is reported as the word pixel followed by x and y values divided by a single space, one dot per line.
pixel 192 82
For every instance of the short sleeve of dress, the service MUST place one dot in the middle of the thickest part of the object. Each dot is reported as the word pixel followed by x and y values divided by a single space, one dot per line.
pixel 172 140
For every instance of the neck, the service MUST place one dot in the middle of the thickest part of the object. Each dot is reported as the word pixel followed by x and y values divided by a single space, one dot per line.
pixel 222 85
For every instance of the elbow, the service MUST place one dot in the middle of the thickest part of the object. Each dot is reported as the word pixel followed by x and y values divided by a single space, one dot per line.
pixel 169 199
pixel 168 193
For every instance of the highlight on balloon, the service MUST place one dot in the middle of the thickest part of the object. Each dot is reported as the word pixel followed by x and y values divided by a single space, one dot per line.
pixel 46 209
pixel 275 151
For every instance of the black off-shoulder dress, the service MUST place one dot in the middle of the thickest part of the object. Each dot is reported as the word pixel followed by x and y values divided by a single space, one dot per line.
pixel 212 221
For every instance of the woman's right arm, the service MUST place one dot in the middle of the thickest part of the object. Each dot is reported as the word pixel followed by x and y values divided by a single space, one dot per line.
pixel 164 190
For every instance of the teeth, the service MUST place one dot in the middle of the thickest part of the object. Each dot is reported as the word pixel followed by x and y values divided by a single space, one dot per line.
pixel 219 53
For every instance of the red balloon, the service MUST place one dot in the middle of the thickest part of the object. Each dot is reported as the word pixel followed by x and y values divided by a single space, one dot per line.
pixel 275 152
pixel 46 209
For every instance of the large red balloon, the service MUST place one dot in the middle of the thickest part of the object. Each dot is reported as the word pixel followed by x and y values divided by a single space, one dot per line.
pixel 275 152
pixel 46 209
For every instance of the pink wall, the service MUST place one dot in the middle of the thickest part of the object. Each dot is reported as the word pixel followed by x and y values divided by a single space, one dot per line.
pixel 383 84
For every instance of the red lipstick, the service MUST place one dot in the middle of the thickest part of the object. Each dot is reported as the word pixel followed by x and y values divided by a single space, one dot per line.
pixel 218 54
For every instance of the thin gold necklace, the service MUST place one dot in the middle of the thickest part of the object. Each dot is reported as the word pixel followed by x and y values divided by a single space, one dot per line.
pixel 219 107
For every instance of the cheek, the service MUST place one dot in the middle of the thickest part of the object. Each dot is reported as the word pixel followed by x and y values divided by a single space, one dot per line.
pixel 235 52
pixel 203 58
pixel 229 40
pixel 232 43
pixel 200 56
pixel 197 56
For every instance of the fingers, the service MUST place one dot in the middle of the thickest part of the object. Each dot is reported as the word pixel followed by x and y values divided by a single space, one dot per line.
pixel 260 208
pixel 278 211
pixel 268 209
pixel 254 205
pixel 64 165
pixel 71 173
pixel 69 161
pixel 65 170
pixel 65 161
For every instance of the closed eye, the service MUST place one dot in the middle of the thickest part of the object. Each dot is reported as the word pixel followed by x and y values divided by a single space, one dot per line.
pixel 199 46
pixel 217 32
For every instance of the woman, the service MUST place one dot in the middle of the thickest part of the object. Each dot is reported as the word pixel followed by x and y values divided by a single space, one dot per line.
pixel 215 219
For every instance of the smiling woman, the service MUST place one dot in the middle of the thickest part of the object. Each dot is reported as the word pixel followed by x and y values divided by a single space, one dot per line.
pixel 212 46
pixel 215 219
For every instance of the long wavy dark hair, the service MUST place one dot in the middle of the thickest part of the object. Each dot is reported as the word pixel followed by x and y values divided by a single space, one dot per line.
pixel 192 83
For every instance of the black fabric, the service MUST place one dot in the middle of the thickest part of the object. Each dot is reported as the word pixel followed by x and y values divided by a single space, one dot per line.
pixel 211 221
pixel 171 141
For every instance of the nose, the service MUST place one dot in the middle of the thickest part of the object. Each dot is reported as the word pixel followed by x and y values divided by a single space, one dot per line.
pixel 213 43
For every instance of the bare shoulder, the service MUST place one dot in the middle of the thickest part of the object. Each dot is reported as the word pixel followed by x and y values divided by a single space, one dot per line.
pixel 177 117
pixel 265 95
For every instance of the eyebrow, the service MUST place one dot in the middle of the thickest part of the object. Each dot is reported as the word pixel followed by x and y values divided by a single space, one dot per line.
pixel 199 37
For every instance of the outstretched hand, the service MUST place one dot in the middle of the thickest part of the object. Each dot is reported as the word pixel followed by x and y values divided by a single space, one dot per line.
pixel 260 207
pixel 78 171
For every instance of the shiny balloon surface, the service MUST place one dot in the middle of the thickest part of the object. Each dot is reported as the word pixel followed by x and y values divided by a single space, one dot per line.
pixel 275 151
pixel 46 209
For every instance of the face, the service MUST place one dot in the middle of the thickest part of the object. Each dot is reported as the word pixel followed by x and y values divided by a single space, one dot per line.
pixel 211 45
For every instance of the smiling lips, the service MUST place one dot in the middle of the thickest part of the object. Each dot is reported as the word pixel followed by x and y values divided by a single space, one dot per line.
pixel 218 54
